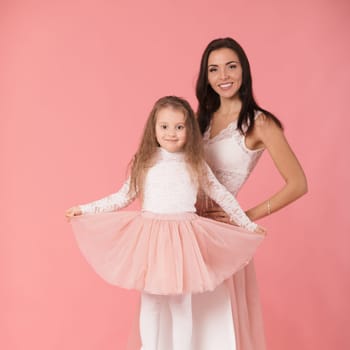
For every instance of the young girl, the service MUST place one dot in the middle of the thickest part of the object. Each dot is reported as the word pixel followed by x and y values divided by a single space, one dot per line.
pixel 166 251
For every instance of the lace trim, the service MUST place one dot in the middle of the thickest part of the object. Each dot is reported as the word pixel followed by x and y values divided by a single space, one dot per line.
pixel 231 180
pixel 231 131
pixel 224 133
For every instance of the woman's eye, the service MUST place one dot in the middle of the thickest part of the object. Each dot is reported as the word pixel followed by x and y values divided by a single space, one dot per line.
pixel 211 70
pixel 233 66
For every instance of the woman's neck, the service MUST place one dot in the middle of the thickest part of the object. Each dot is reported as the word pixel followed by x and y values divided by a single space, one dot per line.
pixel 229 107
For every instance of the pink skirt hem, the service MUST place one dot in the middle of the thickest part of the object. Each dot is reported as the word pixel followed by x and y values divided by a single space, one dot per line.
pixel 163 254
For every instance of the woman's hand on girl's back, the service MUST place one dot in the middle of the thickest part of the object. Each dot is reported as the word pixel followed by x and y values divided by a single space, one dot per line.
pixel 216 213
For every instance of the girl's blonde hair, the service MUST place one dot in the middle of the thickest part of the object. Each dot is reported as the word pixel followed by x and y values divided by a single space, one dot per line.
pixel 145 156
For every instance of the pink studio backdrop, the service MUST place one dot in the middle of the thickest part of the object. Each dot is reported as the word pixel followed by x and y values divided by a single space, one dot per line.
pixel 77 82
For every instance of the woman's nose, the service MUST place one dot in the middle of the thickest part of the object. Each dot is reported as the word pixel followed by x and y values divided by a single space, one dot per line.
pixel 223 74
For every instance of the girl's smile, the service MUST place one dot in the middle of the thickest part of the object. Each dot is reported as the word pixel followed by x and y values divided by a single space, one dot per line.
pixel 171 129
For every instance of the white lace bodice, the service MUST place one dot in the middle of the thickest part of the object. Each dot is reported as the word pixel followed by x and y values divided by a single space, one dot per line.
pixel 169 188
pixel 229 158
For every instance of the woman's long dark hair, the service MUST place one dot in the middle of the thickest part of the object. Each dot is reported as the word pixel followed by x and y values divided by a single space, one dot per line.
pixel 209 100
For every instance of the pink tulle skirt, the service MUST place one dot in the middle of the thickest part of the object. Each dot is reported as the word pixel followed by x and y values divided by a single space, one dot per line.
pixel 163 253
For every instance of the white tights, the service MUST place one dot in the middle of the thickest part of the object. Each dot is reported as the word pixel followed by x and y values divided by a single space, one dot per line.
pixel 181 313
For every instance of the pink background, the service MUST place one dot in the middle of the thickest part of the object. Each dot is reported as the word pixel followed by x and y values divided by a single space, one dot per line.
pixel 78 79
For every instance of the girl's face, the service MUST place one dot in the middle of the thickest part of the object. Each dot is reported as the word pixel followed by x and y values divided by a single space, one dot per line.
pixel 171 129
pixel 224 72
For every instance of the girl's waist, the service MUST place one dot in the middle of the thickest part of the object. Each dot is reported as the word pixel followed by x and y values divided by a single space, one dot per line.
pixel 186 215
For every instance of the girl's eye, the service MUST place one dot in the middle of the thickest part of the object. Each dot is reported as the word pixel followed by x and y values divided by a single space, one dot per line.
pixel 180 127
pixel 163 127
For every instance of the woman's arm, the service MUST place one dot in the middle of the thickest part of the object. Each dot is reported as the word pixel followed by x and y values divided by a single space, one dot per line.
pixel 269 135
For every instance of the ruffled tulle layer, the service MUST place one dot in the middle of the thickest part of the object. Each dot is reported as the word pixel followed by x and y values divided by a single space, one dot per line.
pixel 163 253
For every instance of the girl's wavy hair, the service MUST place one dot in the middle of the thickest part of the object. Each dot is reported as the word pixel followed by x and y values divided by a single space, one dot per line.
pixel 144 157
pixel 209 100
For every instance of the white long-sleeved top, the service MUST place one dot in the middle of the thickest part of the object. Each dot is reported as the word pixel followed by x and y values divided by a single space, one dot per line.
pixel 169 189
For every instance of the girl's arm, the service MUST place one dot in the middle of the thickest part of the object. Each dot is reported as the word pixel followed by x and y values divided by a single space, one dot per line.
pixel 113 202
pixel 268 134
pixel 216 191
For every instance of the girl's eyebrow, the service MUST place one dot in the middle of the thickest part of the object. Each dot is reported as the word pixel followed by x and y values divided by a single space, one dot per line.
pixel 216 65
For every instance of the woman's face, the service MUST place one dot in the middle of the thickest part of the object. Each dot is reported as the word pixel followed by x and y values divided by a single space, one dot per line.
pixel 224 72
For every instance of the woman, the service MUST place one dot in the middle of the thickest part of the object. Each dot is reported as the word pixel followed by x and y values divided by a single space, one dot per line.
pixel 236 131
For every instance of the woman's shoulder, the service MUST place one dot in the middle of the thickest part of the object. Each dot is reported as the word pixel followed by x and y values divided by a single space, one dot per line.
pixel 264 120
pixel 266 126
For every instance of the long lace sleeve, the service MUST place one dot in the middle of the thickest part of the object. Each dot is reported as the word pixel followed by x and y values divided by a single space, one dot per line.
pixel 216 191
pixel 113 202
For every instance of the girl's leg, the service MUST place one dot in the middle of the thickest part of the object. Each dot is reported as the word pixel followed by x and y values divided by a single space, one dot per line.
pixel 181 313
pixel 149 320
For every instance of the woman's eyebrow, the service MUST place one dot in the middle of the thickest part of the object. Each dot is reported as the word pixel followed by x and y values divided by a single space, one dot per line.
pixel 216 65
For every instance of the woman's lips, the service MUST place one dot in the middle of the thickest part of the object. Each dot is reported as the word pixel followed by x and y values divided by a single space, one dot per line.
pixel 225 86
